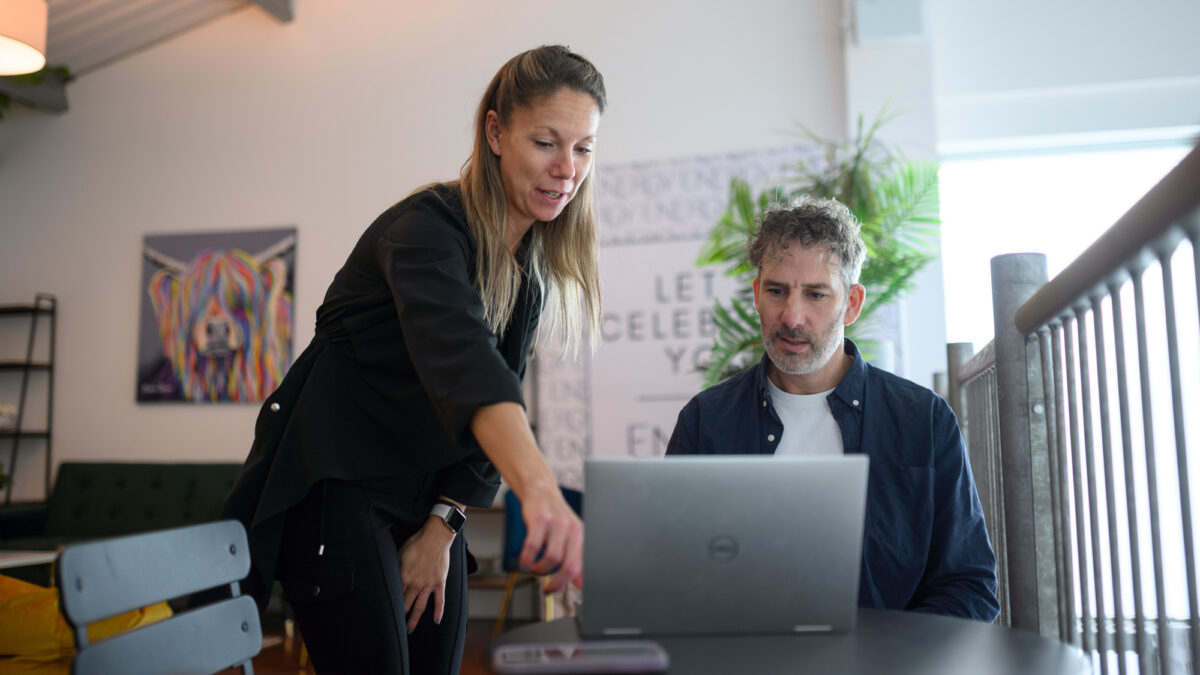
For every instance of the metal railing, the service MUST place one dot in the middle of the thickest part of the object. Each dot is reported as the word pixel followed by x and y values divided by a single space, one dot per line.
pixel 1067 425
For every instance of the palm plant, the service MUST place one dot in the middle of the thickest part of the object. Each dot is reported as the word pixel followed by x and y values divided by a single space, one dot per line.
pixel 895 200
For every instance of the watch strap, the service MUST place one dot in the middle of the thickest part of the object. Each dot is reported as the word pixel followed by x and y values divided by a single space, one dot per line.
pixel 450 514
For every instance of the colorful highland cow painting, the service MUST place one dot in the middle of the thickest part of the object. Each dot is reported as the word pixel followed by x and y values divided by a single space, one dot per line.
pixel 216 319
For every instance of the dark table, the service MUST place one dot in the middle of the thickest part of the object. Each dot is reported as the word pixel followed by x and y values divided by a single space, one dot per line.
pixel 883 642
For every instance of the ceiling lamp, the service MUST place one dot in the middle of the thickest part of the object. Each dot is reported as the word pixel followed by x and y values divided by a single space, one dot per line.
pixel 22 36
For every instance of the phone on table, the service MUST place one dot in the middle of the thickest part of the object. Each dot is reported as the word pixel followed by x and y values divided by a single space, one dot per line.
pixel 617 656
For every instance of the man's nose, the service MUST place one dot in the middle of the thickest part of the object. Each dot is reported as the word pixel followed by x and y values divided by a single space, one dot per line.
pixel 793 314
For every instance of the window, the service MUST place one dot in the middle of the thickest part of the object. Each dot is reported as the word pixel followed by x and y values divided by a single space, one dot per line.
pixel 1057 204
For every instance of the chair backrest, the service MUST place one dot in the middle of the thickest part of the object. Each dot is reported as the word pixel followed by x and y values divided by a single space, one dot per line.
pixel 104 578
pixel 514 525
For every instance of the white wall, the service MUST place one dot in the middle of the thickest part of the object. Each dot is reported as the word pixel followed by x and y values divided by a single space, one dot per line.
pixel 321 124
pixel 888 67
pixel 1033 68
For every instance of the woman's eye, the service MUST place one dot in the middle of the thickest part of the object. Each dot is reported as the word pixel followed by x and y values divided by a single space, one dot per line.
pixel 583 150
pixel 543 144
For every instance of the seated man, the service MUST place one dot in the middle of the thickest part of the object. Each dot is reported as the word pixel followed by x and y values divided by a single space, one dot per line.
pixel 925 547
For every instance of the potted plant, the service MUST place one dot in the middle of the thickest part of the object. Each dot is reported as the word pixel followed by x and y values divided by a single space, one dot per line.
pixel 895 200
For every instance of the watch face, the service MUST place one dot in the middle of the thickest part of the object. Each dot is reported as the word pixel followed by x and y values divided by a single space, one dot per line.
pixel 455 519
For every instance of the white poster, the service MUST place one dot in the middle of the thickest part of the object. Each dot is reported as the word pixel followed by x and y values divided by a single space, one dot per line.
pixel 657 324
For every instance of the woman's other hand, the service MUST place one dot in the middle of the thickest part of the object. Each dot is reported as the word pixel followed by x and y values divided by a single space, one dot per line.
pixel 424 563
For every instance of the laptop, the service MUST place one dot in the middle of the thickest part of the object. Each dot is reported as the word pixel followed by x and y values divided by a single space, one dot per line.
pixel 722 545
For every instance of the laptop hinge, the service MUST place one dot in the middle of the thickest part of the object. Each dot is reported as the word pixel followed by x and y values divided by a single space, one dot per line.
pixel 623 631
pixel 815 628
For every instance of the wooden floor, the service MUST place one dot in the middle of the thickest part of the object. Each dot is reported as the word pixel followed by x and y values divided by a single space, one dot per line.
pixel 281 656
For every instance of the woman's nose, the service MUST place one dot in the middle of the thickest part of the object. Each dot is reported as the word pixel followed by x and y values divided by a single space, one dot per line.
pixel 564 166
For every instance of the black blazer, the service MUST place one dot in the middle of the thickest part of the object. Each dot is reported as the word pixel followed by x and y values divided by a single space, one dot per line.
pixel 400 362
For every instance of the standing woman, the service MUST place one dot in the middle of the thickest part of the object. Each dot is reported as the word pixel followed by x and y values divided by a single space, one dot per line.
pixel 407 404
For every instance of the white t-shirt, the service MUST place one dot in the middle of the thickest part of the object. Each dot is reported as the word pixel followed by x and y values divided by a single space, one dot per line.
pixel 808 424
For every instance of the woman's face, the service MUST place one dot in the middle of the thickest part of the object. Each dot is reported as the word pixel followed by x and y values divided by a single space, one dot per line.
pixel 545 152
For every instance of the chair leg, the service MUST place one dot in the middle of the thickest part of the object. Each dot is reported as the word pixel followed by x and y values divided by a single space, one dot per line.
pixel 292 635
pixel 509 585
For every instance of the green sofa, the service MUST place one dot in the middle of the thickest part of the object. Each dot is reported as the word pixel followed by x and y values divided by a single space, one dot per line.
pixel 103 499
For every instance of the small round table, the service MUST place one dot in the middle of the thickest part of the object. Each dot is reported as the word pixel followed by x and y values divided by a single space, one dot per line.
pixel 883 642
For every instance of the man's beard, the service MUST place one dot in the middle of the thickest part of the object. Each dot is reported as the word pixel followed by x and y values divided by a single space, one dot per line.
pixel 821 350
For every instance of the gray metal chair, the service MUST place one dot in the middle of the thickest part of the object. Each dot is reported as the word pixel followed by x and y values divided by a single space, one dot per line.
pixel 104 578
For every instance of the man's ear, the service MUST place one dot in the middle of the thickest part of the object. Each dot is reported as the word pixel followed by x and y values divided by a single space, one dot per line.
pixel 854 304
pixel 756 296
pixel 491 129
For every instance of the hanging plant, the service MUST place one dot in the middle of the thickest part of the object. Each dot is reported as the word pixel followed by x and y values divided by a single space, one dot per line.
pixel 31 81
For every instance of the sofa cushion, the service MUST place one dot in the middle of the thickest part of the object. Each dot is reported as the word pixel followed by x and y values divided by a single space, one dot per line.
pixel 103 499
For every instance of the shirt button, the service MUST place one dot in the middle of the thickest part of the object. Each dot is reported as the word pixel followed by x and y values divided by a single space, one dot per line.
pixel 854 402
pixel 764 402
pixel 275 406
pixel 771 437
pixel 316 590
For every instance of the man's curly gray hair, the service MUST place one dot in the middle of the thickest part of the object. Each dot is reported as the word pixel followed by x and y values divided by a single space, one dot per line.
pixel 811 221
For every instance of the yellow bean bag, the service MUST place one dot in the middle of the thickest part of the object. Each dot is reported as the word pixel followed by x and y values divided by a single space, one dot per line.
pixel 34 636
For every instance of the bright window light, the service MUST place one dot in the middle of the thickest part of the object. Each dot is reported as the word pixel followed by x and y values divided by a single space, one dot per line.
pixel 1057 204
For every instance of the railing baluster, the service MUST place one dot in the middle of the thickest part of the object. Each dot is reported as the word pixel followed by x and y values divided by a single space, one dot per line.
pixel 1110 511
pixel 1135 564
pixel 1193 233
pixel 1061 557
pixel 994 468
pixel 1156 544
pixel 1090 640
pixel 1103 644
pixel 1185 502
pixel 977 396
pixel 988 426
pixel 1068 602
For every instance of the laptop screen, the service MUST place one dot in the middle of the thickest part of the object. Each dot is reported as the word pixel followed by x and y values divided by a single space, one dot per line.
pixel 719 545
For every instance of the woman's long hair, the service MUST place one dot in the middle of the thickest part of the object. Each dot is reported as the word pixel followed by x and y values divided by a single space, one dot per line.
pixel 562 253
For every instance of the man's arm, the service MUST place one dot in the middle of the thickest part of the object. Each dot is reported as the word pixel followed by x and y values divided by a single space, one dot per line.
pixel 960 576
pixel 683 439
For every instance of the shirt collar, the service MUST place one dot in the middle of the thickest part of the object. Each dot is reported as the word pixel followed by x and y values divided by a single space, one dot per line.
pixel 853 387
pixel 850 390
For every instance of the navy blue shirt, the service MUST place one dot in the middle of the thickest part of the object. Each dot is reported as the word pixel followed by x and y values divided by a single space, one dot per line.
pixel 925 547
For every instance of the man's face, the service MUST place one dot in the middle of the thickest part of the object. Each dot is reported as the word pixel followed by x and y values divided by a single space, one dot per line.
pixel 804 308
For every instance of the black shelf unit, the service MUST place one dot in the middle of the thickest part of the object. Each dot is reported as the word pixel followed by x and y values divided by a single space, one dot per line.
pixel 44 305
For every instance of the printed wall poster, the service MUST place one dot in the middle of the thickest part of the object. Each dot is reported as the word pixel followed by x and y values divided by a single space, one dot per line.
pixel 216 318
pixel 657 324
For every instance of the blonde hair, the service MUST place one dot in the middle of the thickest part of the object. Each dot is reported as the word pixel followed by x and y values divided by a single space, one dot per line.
pixel 562 254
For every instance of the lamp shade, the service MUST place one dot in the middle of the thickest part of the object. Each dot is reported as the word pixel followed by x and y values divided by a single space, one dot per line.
pixel 22 36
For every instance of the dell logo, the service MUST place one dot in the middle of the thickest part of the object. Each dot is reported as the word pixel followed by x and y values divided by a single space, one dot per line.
pixel 722 548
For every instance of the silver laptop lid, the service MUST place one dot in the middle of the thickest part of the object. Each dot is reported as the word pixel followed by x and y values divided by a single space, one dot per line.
pixel 722 544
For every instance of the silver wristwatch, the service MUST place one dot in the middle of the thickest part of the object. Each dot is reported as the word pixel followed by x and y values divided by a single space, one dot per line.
pixel 451 514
